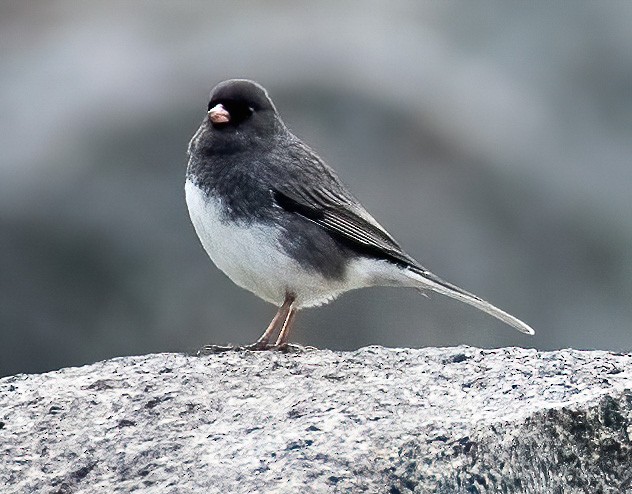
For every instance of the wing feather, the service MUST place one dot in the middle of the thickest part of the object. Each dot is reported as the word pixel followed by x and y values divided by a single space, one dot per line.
pixel 346 219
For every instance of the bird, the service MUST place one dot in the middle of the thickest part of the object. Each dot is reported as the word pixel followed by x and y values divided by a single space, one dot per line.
pixel 279 222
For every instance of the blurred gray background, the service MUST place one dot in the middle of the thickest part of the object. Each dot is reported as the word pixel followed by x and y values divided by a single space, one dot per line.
pixel 493 139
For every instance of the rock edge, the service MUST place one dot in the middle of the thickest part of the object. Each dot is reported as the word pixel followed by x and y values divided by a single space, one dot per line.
pixel 445 420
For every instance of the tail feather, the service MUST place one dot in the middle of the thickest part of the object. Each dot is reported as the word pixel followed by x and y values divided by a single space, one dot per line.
pixel 427 280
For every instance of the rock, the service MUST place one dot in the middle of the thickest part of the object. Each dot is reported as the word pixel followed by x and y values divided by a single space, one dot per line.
pixel 446 420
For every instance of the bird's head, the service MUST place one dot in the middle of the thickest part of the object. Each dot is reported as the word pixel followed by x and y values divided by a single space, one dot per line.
pixel 240 115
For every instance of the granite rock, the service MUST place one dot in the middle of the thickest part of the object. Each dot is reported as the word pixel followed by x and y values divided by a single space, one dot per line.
pixel 445 420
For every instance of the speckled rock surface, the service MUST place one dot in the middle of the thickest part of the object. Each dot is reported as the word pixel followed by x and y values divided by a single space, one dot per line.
pixel 448 420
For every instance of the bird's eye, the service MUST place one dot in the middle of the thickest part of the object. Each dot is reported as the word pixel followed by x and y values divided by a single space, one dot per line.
pixel 239 112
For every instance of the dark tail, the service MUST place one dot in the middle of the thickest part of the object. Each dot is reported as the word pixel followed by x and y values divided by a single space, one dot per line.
pixel 425 280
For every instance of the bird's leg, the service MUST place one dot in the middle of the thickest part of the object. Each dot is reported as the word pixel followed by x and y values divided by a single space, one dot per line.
pixel 279 319
pixel 284 335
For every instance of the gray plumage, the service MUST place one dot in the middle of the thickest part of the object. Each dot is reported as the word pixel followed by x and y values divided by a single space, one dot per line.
pixel 260 175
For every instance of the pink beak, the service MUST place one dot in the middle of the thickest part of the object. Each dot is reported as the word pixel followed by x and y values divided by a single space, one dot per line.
pixel 218 114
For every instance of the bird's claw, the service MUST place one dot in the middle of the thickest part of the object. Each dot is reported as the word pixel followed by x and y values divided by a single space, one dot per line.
pixel 254 347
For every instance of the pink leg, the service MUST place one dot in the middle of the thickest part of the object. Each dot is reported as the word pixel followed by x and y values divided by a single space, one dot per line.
pixel 280 318
pixel 284 335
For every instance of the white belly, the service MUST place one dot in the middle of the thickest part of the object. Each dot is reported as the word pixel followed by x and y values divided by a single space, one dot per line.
pixel 252 257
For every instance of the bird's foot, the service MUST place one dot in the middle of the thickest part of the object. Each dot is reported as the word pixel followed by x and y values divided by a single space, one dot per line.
pixel 257 346
pixel 213 349
pixel 292 348
pixel 254 347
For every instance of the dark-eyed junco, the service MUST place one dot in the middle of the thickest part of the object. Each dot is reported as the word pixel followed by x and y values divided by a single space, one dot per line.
pixel 280 223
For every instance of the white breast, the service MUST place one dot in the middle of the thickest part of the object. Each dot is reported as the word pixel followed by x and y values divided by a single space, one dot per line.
pixel 252 257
